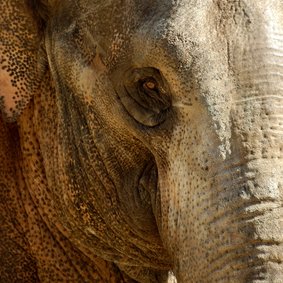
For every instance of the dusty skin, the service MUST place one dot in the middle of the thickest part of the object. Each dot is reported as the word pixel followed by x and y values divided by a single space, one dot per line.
pixel 141 138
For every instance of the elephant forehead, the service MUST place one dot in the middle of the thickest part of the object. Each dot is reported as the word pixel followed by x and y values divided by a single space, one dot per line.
pixel 206 43
pixel 187 22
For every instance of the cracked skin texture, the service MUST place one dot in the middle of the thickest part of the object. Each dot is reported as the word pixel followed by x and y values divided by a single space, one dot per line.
pixel 139 137
pixel 35 247
pixel 30 251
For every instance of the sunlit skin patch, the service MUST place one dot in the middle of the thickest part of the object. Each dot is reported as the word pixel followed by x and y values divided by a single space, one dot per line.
pixel 9 102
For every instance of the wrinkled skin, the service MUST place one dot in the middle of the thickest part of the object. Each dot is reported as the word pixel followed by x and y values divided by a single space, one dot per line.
pixel 148 138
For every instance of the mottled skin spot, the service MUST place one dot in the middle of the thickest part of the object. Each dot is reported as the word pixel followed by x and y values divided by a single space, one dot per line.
pixel 19 48
pixel 140 137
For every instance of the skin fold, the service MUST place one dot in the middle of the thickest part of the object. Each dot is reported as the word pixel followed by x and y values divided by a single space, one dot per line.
pixel 141 138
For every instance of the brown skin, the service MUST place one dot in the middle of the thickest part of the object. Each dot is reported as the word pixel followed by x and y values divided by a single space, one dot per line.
pixel 148 139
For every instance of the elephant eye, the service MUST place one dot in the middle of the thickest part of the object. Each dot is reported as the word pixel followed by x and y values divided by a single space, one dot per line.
pixel 145 96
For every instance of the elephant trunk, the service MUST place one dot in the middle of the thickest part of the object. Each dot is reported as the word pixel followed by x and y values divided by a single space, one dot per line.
pixel 223 218
pixel 232 229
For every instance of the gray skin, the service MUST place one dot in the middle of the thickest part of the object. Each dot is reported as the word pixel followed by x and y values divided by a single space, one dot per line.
pixel 148 138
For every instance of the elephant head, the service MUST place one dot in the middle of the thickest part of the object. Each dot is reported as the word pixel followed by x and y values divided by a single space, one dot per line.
pixel 151 132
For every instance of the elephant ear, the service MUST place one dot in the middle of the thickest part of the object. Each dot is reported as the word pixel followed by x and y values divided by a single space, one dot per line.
pixel 21 27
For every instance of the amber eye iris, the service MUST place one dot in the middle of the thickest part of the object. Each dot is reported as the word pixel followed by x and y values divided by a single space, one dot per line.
pixel 149 85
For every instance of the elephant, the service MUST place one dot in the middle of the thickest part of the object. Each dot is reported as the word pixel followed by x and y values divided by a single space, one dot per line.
pixel 141 141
